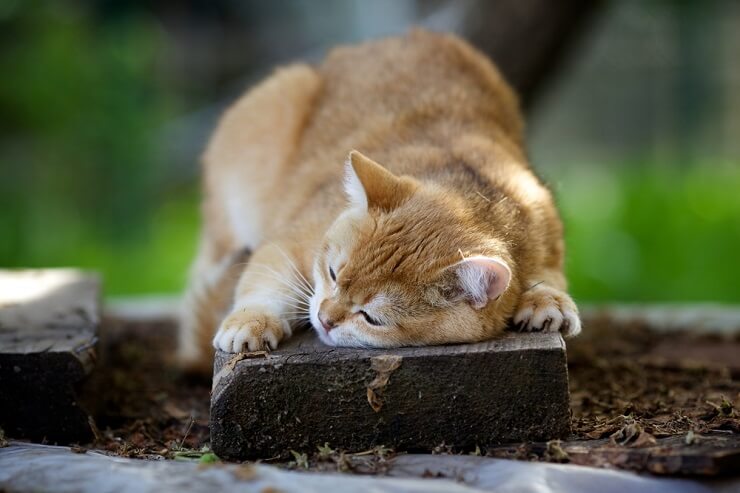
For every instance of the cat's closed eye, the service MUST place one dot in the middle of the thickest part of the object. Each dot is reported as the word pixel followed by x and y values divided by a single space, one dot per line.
pixel 370 319
pixel 332 274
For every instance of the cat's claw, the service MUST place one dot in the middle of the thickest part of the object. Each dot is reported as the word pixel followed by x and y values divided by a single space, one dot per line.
pixel 547 309
pixel 250 330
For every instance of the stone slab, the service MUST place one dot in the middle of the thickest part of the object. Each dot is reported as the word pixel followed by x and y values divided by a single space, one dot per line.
pixel 510 389
pixel 49 322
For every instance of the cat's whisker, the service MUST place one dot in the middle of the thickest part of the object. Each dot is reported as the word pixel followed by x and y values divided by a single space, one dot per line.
pixel 295 268
pixel 297 307
pixel 296 300
pixel 299 313
pixel 287 296
pixel 297 287
pixel 271 274
pixel 301 277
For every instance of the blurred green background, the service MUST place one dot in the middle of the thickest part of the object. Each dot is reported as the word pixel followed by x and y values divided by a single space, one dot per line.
pixel 105 107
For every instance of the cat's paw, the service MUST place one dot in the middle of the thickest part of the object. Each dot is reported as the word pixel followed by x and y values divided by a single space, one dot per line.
pixel 248 329
pixel 543 308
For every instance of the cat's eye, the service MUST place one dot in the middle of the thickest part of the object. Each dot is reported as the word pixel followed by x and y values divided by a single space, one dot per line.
pixel 370 319
pixel 332 274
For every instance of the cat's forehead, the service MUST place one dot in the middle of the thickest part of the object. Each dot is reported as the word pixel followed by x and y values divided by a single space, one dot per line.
pixel 385 269
pixel 370 292
pixel 403 248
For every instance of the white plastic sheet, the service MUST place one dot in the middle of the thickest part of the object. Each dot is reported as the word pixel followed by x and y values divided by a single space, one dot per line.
pixel 40 468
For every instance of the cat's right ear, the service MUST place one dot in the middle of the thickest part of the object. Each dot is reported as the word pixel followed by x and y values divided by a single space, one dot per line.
pixel 481 278
pixel 368 184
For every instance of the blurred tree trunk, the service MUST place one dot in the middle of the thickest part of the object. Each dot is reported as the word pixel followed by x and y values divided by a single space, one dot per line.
pixel 528 39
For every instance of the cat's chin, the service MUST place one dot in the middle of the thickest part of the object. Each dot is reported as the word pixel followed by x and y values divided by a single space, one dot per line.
pixel 339 339
pixel 324 337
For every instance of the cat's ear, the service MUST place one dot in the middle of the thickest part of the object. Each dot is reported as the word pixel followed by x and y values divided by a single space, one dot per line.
pixel 368 184
pixel 482 278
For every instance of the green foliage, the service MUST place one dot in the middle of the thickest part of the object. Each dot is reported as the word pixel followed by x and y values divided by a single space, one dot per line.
pixel 82 108
pixel 209 458
pixel 649 233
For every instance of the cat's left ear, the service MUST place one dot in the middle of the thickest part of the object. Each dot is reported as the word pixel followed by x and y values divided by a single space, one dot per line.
pixel 368 184
pixel 482 278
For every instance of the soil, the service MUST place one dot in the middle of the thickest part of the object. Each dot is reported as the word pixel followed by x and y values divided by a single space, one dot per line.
pixel 632 390
pixel 665 383
pixel 144 408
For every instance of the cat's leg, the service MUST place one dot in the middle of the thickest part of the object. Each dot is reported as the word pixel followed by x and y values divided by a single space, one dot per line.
pixel 545 305
pixel 271 294
pixel 244 161
pixel 210 291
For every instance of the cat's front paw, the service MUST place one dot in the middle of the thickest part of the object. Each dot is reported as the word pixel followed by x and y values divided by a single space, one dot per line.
pixel 247 329
pixel 549 309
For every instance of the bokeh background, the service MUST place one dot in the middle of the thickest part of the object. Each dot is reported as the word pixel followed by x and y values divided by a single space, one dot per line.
pixel 633 119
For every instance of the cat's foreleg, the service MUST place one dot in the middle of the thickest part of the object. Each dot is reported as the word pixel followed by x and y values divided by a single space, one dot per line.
pixel 545 305
pixel 210 290
pixel 271 295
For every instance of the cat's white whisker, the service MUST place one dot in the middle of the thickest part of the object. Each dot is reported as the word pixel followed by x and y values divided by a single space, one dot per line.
pixel 297 307
pixel 300 299
pixel 295 285
pixel 296 300
pixel 301 277
pixel 272 274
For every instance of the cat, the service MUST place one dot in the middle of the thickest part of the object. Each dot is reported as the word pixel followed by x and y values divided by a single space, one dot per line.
pixel 385 197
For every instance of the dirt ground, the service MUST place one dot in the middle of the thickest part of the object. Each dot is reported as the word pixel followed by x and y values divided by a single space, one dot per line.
pixel 667 384
pixel 632 391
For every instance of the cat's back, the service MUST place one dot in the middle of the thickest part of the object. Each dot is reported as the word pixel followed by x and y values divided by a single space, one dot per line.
pixel 393 83
pixel 278 151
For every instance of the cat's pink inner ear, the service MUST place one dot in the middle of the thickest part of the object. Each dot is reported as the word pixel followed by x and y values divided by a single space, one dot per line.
pixel 483 278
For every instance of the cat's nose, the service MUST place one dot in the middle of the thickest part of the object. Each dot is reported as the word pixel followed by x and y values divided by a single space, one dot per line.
pixel 326 322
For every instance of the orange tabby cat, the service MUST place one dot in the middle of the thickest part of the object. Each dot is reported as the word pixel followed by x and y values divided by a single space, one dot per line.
pixel 434 230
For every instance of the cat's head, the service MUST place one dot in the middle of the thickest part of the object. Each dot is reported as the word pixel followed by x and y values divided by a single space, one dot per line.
pixel 404 264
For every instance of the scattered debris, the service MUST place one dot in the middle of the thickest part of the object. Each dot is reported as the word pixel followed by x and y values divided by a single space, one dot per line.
pixel 384 366
pixel 76 449
pixel 555 452
pixel 326 451
pixel 231 364
pixel 204 455
pixel 301 460
pixel 616 380
pixel 691 438
pixel 209 458
pixel 632 435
